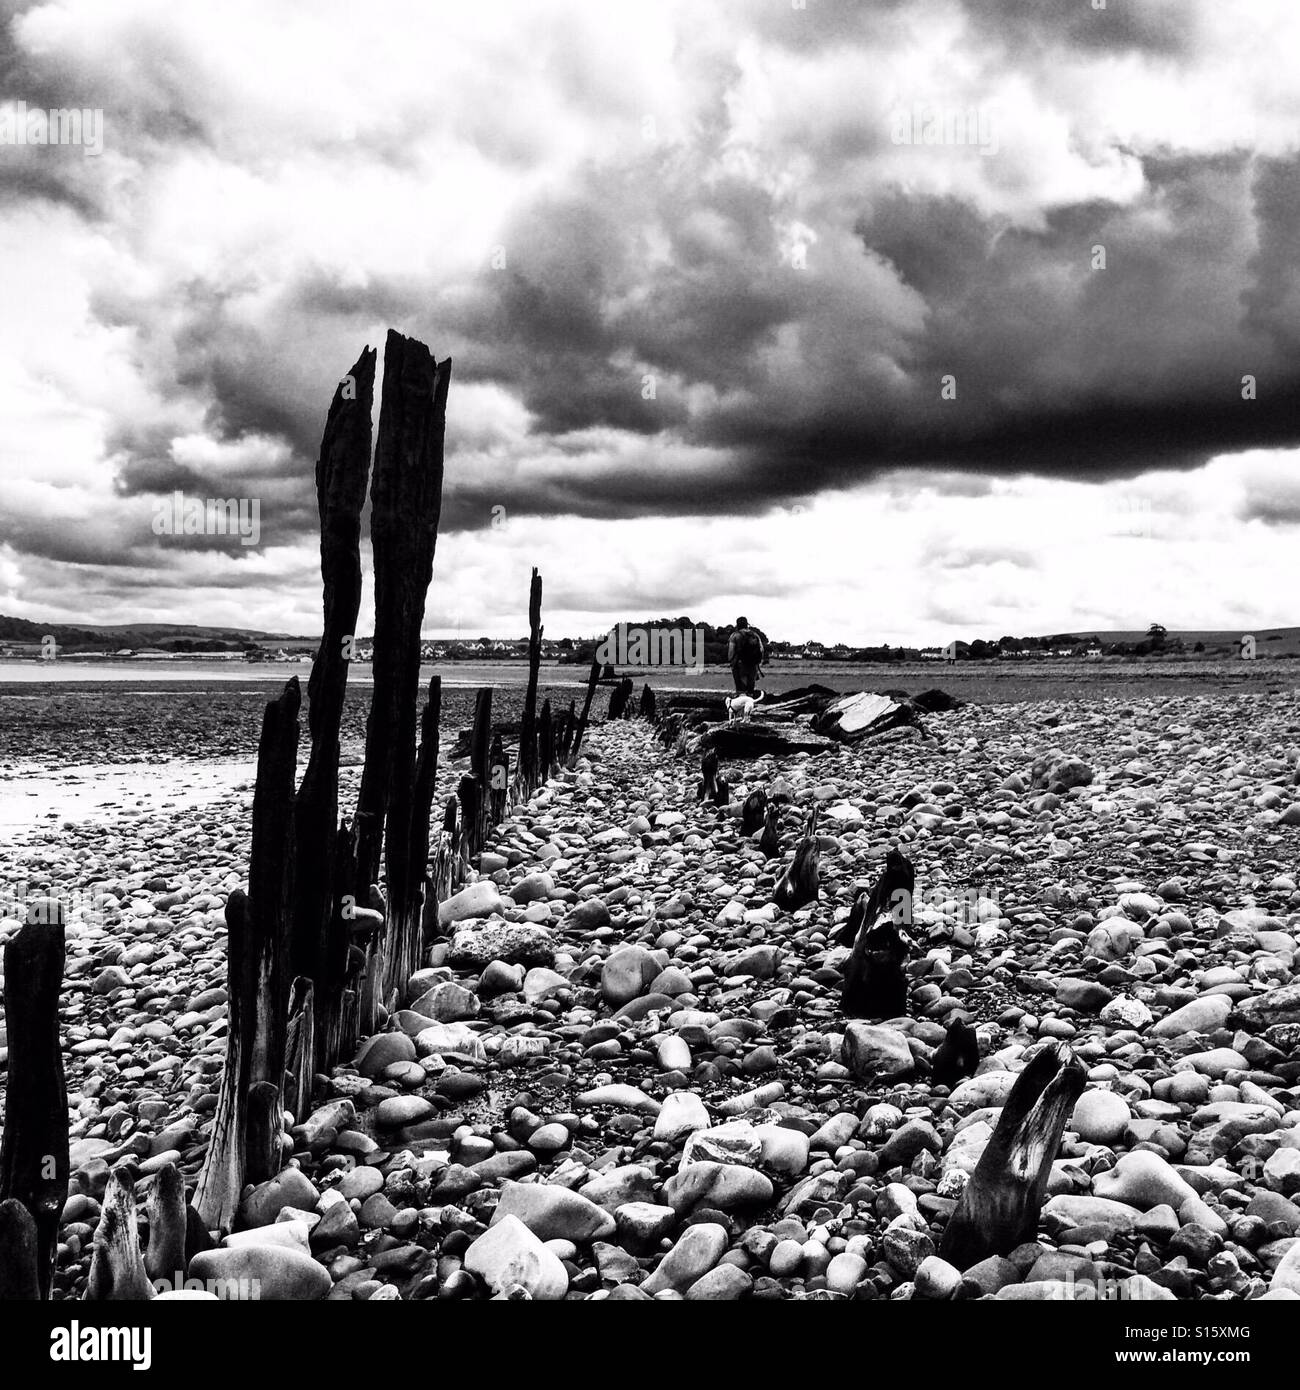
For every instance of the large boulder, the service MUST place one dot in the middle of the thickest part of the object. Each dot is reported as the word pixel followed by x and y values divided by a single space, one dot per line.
pixel 265 1272
pixel 1266 1010
pixel 508 1254
pixel 552 1212
pixel 872 1052
pixel 476 945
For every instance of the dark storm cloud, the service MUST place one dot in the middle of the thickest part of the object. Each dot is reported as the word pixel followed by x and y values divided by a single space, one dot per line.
pixel 667 354
pixel 1060 369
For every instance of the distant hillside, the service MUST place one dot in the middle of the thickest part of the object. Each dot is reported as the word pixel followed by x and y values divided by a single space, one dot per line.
pixel 113 636
pixel 1270 641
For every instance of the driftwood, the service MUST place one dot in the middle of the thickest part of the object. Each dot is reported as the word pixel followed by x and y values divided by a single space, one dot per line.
pixel 999 1206
pixel 117 1272
pixel 300 1045
pixel 749 740
pixel 855 717
pixel 803 699
pixel 34 1148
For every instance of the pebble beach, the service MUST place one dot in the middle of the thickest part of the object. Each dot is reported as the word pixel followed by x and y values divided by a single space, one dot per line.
pixel 624 1072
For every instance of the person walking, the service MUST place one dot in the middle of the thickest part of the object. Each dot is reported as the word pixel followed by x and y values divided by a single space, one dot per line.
pixel 746 652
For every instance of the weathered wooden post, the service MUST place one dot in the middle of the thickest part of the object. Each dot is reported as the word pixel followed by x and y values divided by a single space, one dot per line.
pixel 342 470
pixel 406 930
pixel 620 699
pixel 270 900
pixel 647 710
pixel 499 779
pixel 34 1149
pixel 18 1253
pixel 546 743
pixel 527 730
pixel 481 767
pixel 568 724
pixel 999 1206
pixel 406 504
pixel 313 883
pixel 444 868
pixel 245 1141
pixel 581 729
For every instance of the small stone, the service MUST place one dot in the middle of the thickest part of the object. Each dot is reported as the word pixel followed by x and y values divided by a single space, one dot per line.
pixel 845 1272
pixel 937 1279
pixel 696 1252
pixel 1100 1117
pixel 683 1113
pixel 381 1051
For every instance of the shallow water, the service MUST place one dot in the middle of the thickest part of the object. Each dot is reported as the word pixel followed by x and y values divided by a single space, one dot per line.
pixel 31 799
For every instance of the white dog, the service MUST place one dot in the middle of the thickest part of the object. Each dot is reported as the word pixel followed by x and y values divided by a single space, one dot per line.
pixel 742 706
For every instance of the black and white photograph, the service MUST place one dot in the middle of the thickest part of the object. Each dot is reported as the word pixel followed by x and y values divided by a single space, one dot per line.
pixel 649 652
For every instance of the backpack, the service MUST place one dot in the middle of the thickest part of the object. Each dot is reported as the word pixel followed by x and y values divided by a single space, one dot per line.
pixel 749 647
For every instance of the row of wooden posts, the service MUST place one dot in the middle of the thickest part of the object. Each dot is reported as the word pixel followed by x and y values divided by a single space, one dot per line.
pixel 338 907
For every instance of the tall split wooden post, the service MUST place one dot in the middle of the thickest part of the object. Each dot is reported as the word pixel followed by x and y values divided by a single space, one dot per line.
pixel 320 940
pixel 313 882
pixel 34 1150
pixel 406 503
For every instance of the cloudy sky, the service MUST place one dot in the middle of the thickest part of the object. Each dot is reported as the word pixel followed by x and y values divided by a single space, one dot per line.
pixel 899 321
